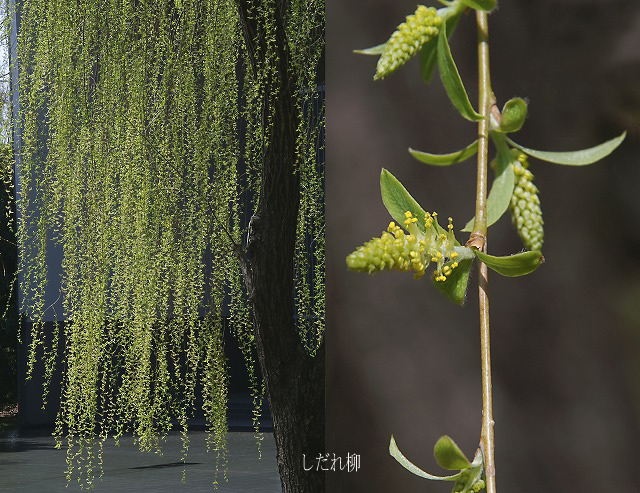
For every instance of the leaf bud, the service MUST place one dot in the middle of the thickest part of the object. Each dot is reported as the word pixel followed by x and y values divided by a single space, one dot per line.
pixel 514 113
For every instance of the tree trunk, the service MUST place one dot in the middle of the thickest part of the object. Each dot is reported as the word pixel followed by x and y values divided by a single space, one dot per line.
pixel 294 380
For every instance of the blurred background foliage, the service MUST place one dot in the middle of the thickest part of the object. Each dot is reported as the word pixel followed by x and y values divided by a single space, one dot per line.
pixel 566 339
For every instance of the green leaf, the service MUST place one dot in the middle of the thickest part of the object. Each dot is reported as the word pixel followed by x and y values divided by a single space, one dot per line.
pixel 455 287
pixel 514 113
pixel 519 264
pixel 501 190
pixel 480 4
pixel 397 200
pixel 409 466
pixel 428 52
pixel 446 159
pixel 374 50
pixel 574 158
pixel 428 59
pixel 449 456
pixel 451 79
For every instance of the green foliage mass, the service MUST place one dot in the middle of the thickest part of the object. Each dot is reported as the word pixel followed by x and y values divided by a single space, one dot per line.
pixel 8 299
pixel 143 127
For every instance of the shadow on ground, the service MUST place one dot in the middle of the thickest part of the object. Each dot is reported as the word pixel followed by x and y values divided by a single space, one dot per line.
pixel 30 462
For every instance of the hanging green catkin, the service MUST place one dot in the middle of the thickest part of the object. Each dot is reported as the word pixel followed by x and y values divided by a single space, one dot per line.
pixel 408 38
pixel 408 252
pixel 525 205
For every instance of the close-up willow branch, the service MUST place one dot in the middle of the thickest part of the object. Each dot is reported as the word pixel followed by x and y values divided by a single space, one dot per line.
pixel 418 240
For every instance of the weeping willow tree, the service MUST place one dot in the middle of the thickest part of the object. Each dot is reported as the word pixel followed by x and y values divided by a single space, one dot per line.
pixel 151 130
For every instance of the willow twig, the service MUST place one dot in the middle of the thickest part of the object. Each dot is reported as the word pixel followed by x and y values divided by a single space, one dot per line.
pixel 479 240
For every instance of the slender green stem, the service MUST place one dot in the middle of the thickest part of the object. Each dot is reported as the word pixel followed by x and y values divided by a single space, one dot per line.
pixel 479 239
pixel 480 226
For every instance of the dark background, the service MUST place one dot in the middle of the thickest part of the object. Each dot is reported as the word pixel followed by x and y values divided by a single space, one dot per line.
pixel 566 339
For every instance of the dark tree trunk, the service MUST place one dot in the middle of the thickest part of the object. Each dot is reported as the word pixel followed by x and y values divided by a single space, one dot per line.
pixel 294 380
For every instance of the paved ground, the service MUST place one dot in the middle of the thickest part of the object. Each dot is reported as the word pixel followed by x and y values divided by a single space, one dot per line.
pixel 31 464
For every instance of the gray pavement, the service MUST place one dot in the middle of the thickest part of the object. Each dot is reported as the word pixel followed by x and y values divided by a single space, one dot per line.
pixel 32 464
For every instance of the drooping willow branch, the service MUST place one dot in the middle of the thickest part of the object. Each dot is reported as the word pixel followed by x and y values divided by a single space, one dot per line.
pixel 143 127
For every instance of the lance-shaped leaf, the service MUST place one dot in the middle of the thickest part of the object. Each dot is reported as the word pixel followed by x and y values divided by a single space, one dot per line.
pixel 501 189
pixel 514 112
pixel 397 200
pixel 519 264
pixel 455 287
pixel 409 466
pixel 428 53
pixel 574 158
pixel 446 159
pixel 451 79
pixel 480 4
pixel 428 57
pixel 449 456
pixel 374 50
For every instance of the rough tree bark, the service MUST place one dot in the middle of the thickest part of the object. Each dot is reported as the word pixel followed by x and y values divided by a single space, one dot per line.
pixel 294 380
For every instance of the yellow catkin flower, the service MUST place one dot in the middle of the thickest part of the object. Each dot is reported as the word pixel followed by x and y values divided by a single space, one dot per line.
pixel 407 40
pixel 414 251
pixel 525 205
